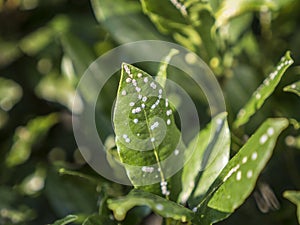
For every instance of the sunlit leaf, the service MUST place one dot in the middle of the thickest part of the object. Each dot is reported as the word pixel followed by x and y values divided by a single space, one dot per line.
pixel 237 180
pixel 230 9
pixel 25 137
pixel 294 197
pixel 162 71
pixel 57 88
pixel 294 88
pixel 159 205
pixel 10 93
pixel 36 41
pixel 264 91
pixel 68 219
pixel 146 133
pixel 208 153
pixel 78 51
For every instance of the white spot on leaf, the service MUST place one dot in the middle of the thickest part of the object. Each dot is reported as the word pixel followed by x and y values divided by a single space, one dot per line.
pixel 249 174
pixel 147 169
pixel 159 207
pixel 254 156
pixel 263 139
pixel 270 131
pixel 239 175
pixel 244 160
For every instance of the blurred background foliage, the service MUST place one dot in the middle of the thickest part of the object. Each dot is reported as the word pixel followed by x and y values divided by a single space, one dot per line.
pixel 45 47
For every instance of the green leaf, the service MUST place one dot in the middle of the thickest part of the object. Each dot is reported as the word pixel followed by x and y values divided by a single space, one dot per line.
pixel 208 153
pixel 237 180
pixel 68 194
pixel 231 8
pixel 146 133
pixel 37 40
pixel 10 93
pixel 294 197
pixel 57 88
pixel 159 205
pixel 121 18
pixel 162 71
pixel 86 177
pixel 68 219
pixel 294 88
pixel 98 220
pixel 78 51
pixel 25 137
pixel 189 23
pixel 9 52
pixel 264 91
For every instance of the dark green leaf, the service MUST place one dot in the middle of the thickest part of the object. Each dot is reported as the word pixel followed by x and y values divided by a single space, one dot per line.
pixel 238 178
pixel 68 195
pixel 124 20
pixel 68 219
pixel 146 133
pixel 294 88
pixel 264 91
pixel 159 205
pixel 294 197
pixel 208 153
pixel 99 220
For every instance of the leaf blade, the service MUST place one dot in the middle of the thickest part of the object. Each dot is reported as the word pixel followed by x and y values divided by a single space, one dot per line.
pixel 264 91
pixel 68 219
pixel 158 204
pixel 239 176
pixel 294 88
pixel 146 133
pixel 213 153
pixel 294 197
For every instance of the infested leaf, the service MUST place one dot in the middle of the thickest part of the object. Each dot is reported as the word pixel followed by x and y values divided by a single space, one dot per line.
pixel 158 204
pixel 237 180
pixel 294 88
pixel 264 91
pixel 146 133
